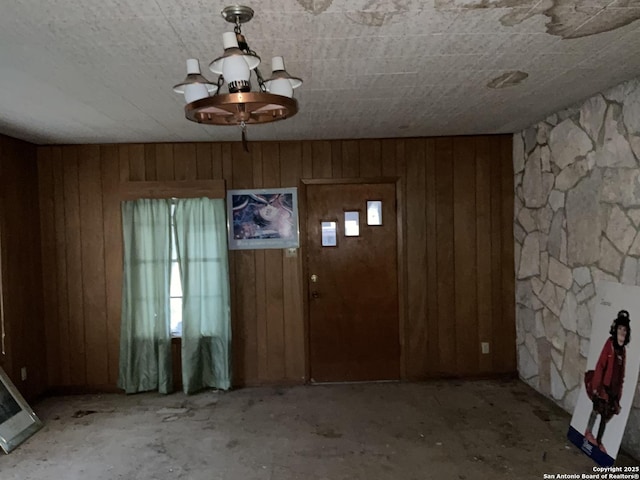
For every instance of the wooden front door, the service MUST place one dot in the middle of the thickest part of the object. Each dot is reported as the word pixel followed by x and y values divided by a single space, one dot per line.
pixel 352 286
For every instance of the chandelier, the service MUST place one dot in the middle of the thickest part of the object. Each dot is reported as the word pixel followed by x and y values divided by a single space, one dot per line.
pixel 208 103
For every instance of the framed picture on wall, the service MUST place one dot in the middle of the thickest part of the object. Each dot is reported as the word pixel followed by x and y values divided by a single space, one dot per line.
pixel 17 421
pixel 265 218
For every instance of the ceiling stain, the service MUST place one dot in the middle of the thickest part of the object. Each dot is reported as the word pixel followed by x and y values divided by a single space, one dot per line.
pixel 567 18
pixel 315 6
pixel 377 13
pixel 369 19
pixel 481 4
pixel 508 79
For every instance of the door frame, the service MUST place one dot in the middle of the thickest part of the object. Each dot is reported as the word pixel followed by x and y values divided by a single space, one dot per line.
pixel 400 215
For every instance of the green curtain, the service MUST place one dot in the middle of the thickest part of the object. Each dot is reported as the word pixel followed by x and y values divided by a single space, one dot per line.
pixel 145 337
pixel 201 240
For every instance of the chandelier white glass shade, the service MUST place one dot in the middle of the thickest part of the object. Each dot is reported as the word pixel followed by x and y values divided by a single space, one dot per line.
pixel 208 103
pixel 281 83
pixel 195 86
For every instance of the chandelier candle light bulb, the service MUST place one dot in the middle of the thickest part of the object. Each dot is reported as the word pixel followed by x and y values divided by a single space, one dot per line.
pixel 194 91
pixel 236 73
pixel 281 83
pixel 195 86
pixel 232 51
pixel 279 86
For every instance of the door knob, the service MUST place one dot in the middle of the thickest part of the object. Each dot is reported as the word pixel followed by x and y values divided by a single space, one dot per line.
pixel 315 294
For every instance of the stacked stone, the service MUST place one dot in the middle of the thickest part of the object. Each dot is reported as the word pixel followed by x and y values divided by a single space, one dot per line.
pixel 577 222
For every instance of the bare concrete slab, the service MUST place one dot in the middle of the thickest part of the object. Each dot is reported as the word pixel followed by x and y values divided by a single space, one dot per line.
pixel 435 430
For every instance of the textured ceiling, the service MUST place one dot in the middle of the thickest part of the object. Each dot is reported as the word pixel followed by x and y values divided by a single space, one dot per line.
pixel 101 71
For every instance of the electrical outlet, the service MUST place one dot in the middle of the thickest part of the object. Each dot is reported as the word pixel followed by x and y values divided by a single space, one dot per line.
pixel 23 373
pixel 485 347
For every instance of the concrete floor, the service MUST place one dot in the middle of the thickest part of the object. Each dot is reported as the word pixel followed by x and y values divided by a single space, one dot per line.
pixel 437 430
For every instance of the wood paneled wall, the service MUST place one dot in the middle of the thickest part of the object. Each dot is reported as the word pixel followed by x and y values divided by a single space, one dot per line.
pixel 21 270
pixel 458 254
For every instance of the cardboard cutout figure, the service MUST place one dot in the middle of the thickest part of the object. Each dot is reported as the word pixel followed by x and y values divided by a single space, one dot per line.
pixel 606 395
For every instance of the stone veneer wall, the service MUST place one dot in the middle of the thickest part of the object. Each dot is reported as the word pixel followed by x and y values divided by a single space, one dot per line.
pixel 577 222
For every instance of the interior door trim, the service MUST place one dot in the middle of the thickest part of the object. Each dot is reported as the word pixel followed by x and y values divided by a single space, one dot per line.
pixel 400 248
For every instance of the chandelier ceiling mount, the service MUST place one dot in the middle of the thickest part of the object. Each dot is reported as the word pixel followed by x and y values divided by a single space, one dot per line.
pixel 237 14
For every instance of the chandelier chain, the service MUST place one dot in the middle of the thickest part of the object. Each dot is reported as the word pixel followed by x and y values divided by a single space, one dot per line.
pixel 219 84
pixel 248 50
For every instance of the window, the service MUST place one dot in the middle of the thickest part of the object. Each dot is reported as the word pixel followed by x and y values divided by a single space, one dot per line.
pixel 152 292
pixel 374 212
pixel 175 290
pixel 352 224
pixel 329 237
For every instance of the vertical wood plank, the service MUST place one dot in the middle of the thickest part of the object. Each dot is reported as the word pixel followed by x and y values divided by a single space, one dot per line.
pixel 32 262
pixel 401 158
pixel 206 168
pixel 431 286
pixel 21 266
pixel 112 226
pixel 240 343
pixel 61 266
pixel 12 356
pixel 403 277
pixel 165 161
pixel 415 333
pixel 93 272
pixel 370 158
pixel 445 255
pixel 336 159
pixel 464 216
pixel 262 353
pixel 270 165
pixel 123 163
pixel 273 276
pixel 203 161
pixel 73 236
pixel 388 157
pixel 48 252
pixel 294 334
pixel 506 342
pixel 227 165
pixel 307 160
pixel 239 165
pixel 217 160
pixel 274 315
pixel 262 328
pixel 185 167
pixel 321 159
pixel 150 169
pixel 496 248
pixel 246 308
pixel 350 159
pixel 483 248
pixel 137 162
pixel 6 355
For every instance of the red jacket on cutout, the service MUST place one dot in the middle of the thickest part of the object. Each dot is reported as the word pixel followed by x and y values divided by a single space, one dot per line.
pixel 609 372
